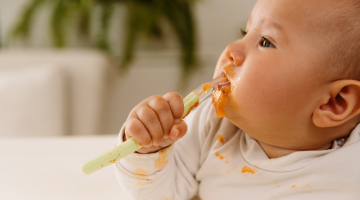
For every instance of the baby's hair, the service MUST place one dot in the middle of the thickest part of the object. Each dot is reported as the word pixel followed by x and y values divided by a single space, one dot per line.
pixel 344 33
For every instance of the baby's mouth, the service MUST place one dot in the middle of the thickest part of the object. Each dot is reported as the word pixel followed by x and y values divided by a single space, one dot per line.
pixel 225 83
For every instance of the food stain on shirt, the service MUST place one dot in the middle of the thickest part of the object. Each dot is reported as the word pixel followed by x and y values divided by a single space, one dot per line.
pixel 220 138
pixel 307 188
pixel 293 186
pixel 162 160
pixel 247 170
pixel 226 157
pixel 229 171
pixel 141 173
pixel 218 155
pixel 142 183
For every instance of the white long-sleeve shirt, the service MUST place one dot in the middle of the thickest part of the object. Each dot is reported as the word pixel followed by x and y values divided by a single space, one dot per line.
pixel 218 161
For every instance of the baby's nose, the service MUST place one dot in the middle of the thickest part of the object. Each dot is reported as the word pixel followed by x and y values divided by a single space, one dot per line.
pixel 234 54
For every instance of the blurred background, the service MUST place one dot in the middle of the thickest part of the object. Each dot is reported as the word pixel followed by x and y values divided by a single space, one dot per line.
pixel 72 70
pixel 77 67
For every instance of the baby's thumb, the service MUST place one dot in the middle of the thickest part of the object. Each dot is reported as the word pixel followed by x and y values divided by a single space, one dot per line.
pixel 178 130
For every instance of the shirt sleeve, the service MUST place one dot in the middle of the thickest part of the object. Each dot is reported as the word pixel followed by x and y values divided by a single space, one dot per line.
pixel 169 173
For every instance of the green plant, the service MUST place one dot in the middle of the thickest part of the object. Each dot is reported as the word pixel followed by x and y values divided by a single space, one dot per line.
pixel 143 18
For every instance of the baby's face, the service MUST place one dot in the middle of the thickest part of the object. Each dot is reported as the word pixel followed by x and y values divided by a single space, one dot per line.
pixel 274 72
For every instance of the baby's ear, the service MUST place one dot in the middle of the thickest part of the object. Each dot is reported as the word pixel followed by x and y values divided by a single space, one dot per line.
pixel 340 105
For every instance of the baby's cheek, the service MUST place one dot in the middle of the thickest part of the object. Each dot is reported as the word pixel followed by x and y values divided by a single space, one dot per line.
pixel 232 101
pixel 248 102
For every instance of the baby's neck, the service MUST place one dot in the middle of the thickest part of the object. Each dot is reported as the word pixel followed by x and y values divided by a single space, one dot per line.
pixel 276 152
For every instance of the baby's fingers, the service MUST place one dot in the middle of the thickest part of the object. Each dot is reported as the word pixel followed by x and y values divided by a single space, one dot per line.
pixel 151 122
pixel 135 128
pixel 176 104
pixel 178 131
pixel 161 107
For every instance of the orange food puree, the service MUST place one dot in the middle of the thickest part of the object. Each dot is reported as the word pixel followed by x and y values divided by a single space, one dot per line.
pixel 206 87
pixel 162 160
pixel 229 70
pixel 221 139
pixel 247 169
pixel 141 173
pixel 219 99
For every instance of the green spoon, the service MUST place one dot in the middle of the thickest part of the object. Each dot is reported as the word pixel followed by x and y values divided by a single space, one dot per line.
pixel 131 145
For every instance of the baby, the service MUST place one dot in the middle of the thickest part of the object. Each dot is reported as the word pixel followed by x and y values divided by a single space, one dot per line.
pixel 291 107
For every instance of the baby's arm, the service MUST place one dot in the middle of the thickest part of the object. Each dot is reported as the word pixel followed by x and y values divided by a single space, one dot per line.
pixel 166 173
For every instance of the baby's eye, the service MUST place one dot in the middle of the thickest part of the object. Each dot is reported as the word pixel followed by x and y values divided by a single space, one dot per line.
pixel 266 43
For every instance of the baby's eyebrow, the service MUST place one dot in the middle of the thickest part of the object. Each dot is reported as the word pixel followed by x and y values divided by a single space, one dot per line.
pixel 276 26
pixel 270 24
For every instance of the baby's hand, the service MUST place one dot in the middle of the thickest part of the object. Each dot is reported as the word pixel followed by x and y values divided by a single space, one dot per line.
pixel 155 122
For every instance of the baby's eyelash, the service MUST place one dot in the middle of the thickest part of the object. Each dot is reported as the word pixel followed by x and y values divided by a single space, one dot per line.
pixel 266 43
pixel 243 32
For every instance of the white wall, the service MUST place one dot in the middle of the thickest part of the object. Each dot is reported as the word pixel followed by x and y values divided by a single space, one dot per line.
pixel 218 24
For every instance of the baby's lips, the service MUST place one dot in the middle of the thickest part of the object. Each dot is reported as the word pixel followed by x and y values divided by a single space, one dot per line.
pixel 224 74
pixel 223 84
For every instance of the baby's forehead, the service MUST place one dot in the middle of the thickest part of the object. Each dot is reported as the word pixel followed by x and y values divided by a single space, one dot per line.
pixel 305 18
pixel 301 12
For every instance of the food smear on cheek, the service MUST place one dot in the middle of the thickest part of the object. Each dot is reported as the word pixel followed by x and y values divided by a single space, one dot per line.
pixel 219 99
pixel 229 70
pixel 220 96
